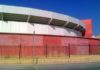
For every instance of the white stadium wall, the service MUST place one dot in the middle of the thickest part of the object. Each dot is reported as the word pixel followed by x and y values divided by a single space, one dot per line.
pixel 33 28
pixel 36 21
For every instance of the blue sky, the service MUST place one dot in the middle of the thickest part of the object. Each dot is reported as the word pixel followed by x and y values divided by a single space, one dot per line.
pixel 82 9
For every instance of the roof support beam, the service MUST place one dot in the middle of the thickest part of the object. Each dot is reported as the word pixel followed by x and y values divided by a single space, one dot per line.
pixel 2 16
pixel 76 26
pixel 82 30
pixel 66 23
pixel 49 22
pixel 28 18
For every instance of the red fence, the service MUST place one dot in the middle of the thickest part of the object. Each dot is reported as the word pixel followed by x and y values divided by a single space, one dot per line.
pixel 12 45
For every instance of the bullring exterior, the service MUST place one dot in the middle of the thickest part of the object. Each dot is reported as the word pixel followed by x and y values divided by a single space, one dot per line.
pixel 34 21
pixel 33 36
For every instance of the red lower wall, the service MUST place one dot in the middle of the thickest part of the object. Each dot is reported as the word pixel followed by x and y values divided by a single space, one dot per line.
pixel 13 45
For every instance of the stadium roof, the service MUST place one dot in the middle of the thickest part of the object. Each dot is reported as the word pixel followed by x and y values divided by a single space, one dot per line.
pixel 23 14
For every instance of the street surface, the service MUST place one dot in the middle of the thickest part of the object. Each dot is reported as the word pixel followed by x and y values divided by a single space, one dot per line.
pixel 85 66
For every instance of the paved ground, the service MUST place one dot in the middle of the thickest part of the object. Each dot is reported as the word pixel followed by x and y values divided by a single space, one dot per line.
pixel 89 66
pixel 85 66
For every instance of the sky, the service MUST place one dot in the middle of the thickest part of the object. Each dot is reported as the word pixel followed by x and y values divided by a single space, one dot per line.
pixel 81 9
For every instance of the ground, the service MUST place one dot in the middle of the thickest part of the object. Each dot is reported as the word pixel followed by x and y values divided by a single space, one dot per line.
pixel 83 66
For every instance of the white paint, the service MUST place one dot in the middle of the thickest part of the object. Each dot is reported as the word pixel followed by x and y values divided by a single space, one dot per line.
pixel 14 9
pixel 15 27
pixel 23 27
pixel 33 28
pixel 55 30
pixel 38 13
pixel 41 13
pixel 60 16
pixel 41 29
pixel 30 28
pixel 0 26
pixel 5 27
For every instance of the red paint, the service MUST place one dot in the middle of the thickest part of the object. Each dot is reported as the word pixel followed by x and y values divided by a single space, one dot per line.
pixel 95 50
pixel 79 50
pixel 12 51
pixel 9 40
pixel 32 46
pixel 38 51
pixel 38 41
pixel 26 51
pixel 65 41
pixel 9 45
pixel 93 42
pixel 26 40
pixel 52 45
pixel 52 41
pixel 64 51
pixel 88 24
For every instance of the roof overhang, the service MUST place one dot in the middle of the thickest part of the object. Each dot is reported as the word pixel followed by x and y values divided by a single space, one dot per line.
pixel 13 13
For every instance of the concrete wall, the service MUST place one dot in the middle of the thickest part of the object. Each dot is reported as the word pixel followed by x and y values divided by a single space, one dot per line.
pixel 88 24
pixel 32 28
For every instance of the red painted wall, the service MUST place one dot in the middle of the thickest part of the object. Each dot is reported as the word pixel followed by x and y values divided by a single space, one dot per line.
pixel 88 24
pixel 38 46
